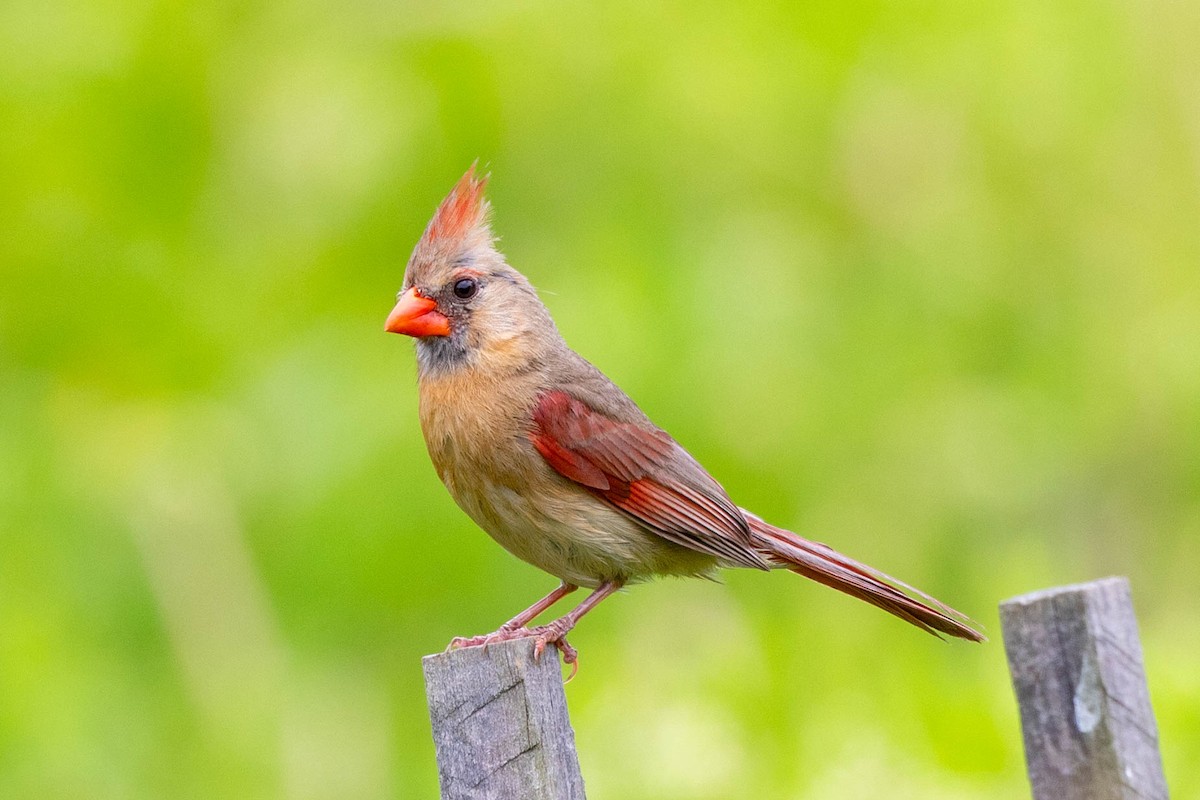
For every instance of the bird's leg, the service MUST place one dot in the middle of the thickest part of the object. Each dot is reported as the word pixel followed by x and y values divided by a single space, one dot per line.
pixel 555 632
pixel 528 615
pixel 515 627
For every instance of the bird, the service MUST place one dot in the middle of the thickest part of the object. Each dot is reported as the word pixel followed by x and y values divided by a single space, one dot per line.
pixel 559 466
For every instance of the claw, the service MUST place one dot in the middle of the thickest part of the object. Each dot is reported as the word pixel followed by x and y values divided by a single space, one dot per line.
pixel 550 635
pixel 502 635
pixel 569 654
pixel 553 634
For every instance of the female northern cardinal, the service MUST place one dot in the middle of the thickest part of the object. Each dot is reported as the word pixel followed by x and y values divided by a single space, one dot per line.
pixel 558 465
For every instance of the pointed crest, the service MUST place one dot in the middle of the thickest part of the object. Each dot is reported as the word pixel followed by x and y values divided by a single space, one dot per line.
pixel 462 210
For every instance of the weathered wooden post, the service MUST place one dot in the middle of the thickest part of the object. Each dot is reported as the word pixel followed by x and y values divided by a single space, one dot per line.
pixel 500 724
pixel 1076 665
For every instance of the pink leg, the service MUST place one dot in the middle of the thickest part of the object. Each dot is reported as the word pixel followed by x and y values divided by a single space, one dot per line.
pixel 526 616
pixel 518 622
pixel 555 632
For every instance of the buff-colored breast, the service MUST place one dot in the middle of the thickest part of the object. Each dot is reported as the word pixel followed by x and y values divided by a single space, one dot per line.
pixel 477 432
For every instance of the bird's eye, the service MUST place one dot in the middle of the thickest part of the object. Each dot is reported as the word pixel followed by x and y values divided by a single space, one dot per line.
pixel 465 288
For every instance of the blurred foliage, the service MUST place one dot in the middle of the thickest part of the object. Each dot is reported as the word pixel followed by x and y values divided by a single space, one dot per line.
pixel 918 279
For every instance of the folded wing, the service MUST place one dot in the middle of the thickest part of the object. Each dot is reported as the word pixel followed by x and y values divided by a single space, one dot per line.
pixel 643 473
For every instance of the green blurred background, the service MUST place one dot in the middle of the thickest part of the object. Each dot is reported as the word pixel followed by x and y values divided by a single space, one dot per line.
pixel 921 280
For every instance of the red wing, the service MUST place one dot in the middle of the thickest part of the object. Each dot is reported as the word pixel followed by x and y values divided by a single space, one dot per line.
pixel 643 473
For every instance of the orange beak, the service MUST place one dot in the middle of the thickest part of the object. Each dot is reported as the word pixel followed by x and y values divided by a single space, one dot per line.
pixel 415 315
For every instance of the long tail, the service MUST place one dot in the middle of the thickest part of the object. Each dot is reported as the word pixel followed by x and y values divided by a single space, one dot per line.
pixel 827 566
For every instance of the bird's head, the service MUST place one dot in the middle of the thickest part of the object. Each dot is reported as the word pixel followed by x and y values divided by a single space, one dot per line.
pixel 461 300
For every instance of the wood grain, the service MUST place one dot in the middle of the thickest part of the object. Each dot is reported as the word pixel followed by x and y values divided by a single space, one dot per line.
pixel 1076 664
pixel 500 724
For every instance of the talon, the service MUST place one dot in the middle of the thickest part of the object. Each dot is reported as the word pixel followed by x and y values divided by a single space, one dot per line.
pixel 555 633
pixel 569 654
pixel 502 635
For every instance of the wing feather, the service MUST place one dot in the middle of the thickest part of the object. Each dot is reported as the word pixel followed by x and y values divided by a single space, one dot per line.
pixel 643 473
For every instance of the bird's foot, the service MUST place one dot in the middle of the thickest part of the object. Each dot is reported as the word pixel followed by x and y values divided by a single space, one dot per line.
pixel 505 634
pixel 551 634
pixel 555 633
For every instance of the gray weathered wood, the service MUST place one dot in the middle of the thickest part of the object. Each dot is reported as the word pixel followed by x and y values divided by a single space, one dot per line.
pixel 500 724
pixel 1076 665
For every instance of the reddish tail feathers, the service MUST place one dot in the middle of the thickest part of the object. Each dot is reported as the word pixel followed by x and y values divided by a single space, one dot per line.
pixel 827 566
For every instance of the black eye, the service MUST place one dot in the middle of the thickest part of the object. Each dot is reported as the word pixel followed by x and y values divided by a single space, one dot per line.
pixel 465 288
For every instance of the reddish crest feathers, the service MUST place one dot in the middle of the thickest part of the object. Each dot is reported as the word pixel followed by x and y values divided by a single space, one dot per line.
pixel 462 210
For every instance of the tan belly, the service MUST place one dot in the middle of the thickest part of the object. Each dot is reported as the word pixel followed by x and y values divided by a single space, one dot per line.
pixel 570 534
pixel 539 516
